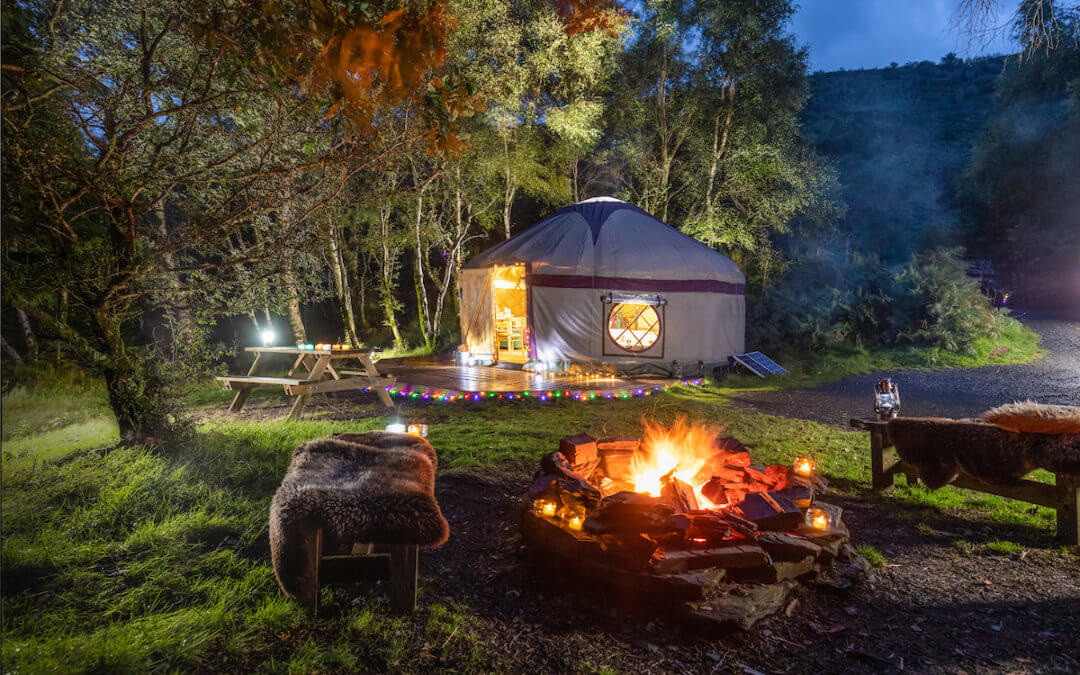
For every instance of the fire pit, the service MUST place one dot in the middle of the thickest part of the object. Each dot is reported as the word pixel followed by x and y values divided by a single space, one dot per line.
pixel 684 521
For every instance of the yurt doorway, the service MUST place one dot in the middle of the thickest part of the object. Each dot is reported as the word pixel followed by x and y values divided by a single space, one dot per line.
pixel 511 321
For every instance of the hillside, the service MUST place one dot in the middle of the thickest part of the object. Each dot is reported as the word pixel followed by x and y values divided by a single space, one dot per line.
pixel 900 138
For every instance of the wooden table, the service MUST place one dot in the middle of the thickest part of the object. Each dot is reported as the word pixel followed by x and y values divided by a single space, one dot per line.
pixel 312 372
pixel 1063 496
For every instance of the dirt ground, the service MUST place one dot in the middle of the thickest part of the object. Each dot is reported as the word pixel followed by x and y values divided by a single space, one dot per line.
pixel 956 392
pixel 932 608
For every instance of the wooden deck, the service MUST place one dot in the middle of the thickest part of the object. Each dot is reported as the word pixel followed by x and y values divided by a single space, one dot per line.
pixel 430 375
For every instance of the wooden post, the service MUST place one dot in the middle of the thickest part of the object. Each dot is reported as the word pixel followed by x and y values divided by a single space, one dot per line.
pixel 316 558
pixel 373 372
pixel 882 480
pixel 403 570
pixel 314 374
pixel 1068 507
pixel 242 396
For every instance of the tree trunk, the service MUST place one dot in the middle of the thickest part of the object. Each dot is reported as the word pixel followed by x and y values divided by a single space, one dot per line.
pixel 423 309
pixel 510 188
pixel 64 303
pixel 11 352
pixel 388 276
pixel 296 321
pixel 179 313
pixel 341 286
pixel 28 336
pixel 138 402
pixel 574 177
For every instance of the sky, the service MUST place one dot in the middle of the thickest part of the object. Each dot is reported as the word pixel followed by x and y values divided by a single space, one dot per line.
pixel 855 34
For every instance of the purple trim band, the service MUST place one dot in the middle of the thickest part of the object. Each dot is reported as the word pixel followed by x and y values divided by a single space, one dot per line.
pixel 630 284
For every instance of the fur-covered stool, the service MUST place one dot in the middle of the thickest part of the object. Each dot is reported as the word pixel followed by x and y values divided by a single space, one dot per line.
pixel 364 490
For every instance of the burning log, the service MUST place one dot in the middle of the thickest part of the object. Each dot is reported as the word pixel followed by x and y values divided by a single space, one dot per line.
pixel 631 512
pixel 746 528
pixel 569 480
pixel 678 494
pixel 579 449
pixel 616 463
pixel 618 443
pixel 707 527
pixel 771 511
pixel 732 446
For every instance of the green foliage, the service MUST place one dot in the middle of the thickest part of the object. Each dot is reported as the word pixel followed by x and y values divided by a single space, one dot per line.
pixel 708 138
pixel 927 302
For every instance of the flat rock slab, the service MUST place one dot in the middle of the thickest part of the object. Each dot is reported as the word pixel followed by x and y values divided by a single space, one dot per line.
pixel 738 607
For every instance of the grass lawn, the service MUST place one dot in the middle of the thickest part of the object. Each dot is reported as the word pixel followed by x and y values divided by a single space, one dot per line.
pixel 138 558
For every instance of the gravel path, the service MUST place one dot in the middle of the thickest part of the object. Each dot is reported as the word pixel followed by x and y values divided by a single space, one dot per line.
pixel 954 392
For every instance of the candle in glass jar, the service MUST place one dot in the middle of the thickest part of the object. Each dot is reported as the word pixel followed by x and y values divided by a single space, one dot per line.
pixel 804 466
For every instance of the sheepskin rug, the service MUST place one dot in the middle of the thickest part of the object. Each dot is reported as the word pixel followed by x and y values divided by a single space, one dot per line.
pixel 941 447
pixel 374 486
pixel 1035 418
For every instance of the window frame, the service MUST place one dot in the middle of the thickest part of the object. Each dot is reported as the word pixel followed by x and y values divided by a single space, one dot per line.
pixel 609 304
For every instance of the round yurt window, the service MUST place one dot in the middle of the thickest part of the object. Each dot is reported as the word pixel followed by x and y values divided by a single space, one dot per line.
pixel 633 327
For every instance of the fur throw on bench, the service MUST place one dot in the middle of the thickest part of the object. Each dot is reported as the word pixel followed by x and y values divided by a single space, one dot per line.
pixel 1035 418
pixel 371 487
pixel 941 447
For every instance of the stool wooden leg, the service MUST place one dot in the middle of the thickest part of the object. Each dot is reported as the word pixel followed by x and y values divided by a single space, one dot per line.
pixel 403 570
pixel 1068 507
pixel 316 558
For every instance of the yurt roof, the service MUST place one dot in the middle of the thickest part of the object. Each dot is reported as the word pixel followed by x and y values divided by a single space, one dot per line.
pixel 606 237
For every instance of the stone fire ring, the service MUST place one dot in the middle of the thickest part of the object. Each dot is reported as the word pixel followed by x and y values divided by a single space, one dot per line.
pixel 718 587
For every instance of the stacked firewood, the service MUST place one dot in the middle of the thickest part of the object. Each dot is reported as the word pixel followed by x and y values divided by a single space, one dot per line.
pixel 764 506
pixel 718 567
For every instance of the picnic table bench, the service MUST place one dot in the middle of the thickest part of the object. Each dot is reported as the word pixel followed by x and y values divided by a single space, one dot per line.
pixel 312 373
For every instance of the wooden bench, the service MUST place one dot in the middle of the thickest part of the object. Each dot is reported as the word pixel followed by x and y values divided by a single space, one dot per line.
pixel 1063 496
pixel 398 564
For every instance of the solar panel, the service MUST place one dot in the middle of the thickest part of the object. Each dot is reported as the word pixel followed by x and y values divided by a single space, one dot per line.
pixel 759 364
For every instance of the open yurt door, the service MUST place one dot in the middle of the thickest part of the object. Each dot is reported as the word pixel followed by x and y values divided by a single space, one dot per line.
pixel 510 303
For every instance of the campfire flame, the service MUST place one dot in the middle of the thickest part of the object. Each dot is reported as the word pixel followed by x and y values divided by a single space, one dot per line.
pixel 681 450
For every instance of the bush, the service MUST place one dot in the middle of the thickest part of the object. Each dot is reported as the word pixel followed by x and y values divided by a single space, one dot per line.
pixel 824 302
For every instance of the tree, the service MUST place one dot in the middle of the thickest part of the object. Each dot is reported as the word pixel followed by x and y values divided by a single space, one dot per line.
pixel 710 139
pixel 1036 24
pixel 115 113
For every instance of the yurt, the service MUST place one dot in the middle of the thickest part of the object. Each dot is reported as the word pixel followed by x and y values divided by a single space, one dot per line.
pixel 602 282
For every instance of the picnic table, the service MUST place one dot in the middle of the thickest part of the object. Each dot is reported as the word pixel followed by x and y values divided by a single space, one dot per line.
pixel 312 372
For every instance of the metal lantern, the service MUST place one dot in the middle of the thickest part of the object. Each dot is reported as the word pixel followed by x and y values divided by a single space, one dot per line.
pixel 886 399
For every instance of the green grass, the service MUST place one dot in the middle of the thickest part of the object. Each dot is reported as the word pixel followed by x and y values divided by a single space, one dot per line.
pixel 872 555
pixel 136 558
pixel 1005 547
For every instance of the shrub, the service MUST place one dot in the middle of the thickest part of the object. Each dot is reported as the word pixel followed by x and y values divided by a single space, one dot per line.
pixel 824 302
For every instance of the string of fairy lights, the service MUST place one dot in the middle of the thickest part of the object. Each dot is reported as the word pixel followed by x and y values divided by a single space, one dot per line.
pixel 423 393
